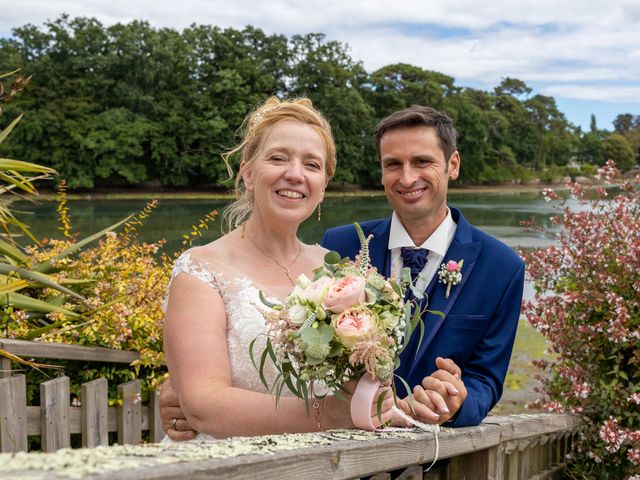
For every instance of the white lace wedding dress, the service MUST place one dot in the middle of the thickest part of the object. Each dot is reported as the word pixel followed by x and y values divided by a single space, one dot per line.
pixel 244 323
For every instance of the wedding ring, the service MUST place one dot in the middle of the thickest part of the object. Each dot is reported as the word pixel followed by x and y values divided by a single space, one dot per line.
pixel 173 424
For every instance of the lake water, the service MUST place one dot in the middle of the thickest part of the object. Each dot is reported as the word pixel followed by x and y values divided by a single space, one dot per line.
pixel 498 214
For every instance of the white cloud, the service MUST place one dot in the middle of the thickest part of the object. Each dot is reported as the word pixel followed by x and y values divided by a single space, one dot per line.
pixel 603 93
pixel 559 48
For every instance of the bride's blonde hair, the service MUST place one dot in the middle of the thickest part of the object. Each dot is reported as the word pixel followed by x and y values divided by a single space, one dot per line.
pixel 254 130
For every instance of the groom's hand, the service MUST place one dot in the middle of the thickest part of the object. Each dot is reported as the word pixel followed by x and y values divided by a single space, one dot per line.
pixel 178 430
pixel 441 394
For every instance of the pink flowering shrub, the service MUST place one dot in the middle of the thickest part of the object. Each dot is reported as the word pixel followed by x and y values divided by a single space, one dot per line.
pixel 587 305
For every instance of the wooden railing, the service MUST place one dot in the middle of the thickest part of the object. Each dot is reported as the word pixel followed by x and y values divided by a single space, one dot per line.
pixel 502 447
pixel 55 419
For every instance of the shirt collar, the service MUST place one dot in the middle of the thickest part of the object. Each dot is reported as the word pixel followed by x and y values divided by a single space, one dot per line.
pixel 437 242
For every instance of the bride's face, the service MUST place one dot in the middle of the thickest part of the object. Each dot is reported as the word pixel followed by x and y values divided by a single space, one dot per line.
pixel 288 176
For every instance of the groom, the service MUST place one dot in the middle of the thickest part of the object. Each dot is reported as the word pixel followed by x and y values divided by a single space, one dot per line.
pixel 459 368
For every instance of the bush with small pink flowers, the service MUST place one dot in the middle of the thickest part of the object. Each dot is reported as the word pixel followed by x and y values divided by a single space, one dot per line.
pixel 587 305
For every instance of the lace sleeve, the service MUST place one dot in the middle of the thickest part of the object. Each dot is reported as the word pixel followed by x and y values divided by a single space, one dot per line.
pixel 201 271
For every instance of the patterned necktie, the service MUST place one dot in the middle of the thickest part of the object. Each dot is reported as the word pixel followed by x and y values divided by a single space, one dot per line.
pixel 415 259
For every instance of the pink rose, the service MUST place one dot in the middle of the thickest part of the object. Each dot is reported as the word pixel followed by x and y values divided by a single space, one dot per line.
pixel 353 325
pixel 452 266
pixel 345 293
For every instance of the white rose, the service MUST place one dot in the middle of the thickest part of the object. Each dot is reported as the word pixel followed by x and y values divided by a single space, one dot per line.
pixel 297 314
pixel 316 291
pixel 388 320
pixel 303 281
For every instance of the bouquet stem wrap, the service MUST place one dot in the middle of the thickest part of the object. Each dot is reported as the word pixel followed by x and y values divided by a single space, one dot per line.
pixel 361 403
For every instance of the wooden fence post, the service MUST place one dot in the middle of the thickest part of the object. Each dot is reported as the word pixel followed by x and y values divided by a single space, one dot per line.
pixel 13 414
pixel 94 413
pixel 478 465
pixel 412 473
pixel 156 433
pixel 130 413
pixel 5 366
pixel 54 414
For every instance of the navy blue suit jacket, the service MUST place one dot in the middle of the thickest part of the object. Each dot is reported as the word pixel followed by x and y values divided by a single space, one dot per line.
pixel 481 314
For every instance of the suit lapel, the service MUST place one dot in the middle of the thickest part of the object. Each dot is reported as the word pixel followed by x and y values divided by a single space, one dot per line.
pixel 379 247
pixel 461 248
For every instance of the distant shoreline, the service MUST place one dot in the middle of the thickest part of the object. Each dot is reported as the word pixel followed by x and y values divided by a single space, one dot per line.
pixel 135 194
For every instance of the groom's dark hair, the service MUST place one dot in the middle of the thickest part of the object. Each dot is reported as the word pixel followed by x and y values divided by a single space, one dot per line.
pixel 419 116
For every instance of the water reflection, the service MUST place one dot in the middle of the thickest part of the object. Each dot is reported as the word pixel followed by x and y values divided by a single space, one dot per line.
pixel 497 214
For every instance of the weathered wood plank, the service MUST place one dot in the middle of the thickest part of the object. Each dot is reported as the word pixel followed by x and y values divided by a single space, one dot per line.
pixel 436 473
pixel 54 414
pixel 130 413
pixel 5 367
pixel 13 414
pixel 411 473
pixel 553 473
pixel 495 463
pixel 512 463
pixel 95 413
pixel 472 466
pixel 75 420
pixel 156 433
pixel 515 427
pixel 381 476
pixel 62 351
pixel 348 458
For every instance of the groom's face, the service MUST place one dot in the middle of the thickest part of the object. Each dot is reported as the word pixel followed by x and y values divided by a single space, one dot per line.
pixel 415 174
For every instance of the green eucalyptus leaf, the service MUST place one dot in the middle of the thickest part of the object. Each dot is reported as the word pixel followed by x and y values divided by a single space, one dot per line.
pixel 263 360
pixel 332 258
pixel 265 301
pixel 405 275
pixel 320 335
pixel 420 337
pixel 408 390
pixel 379 405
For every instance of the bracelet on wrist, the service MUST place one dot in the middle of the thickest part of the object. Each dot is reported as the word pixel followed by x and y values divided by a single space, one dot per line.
pixel 316 410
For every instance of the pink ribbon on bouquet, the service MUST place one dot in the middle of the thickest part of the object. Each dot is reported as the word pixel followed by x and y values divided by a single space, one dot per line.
pixel 361 403
pixel 361 412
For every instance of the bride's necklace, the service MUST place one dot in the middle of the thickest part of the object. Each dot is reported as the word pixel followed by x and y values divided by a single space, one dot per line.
pixel 284 268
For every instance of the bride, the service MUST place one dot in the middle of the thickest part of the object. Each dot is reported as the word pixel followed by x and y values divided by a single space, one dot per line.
pixel 213 310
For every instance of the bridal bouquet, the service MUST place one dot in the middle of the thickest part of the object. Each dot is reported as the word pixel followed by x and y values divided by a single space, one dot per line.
pixel 346 322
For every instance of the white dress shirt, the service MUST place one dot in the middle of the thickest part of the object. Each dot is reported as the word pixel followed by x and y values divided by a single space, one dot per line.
pixel 437 244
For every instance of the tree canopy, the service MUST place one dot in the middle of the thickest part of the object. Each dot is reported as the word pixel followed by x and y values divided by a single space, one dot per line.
pixel 131 104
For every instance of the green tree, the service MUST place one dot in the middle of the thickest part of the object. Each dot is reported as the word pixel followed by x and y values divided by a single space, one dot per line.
pixel 333 81
pixel 591 149
pixel 473 136
pixel 401 85
pixel 617 148
pixel 623 123
pixel 513 87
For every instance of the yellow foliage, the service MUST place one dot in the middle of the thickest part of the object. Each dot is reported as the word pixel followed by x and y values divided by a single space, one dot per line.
pixel 123 281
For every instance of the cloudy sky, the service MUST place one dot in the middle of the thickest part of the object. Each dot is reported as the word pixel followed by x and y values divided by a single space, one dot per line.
pixel 585 53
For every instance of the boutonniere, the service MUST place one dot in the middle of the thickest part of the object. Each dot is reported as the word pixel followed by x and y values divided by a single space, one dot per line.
pixel 450 274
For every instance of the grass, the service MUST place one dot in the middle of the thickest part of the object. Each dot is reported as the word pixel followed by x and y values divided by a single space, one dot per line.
pixel 520 381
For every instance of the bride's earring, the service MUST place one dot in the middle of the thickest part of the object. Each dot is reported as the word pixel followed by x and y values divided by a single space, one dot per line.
pixel 319 211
